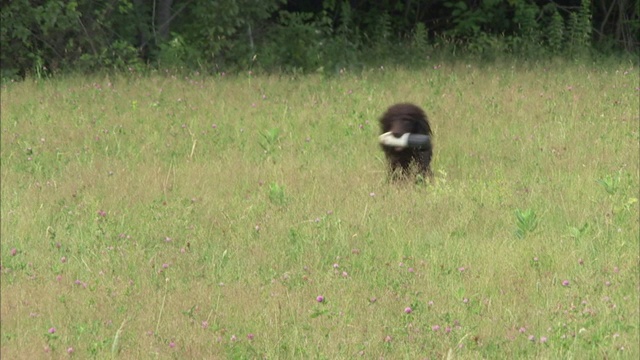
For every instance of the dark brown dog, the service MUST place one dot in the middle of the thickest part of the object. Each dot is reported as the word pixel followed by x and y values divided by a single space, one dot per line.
pixel 405 118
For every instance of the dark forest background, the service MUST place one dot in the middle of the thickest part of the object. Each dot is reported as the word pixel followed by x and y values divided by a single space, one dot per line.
pixel 43 37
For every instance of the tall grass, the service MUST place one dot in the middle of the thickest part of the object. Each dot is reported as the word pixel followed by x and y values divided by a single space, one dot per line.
pixel 251 217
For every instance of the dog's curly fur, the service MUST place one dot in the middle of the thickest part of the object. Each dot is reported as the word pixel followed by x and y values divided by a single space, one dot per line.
pixel 407 118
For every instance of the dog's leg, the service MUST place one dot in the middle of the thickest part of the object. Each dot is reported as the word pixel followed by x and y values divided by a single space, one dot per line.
pixel 424 164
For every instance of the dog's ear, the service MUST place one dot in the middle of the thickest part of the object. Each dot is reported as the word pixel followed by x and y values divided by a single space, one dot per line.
pixel 421 126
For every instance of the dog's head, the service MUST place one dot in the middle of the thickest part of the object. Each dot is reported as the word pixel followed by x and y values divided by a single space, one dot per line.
pixel 400 119
pixel 404 118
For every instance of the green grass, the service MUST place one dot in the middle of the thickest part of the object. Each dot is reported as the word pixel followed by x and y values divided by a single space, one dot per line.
pixel 171 217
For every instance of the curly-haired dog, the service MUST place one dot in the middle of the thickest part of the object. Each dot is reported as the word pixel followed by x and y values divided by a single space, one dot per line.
pixel 398 123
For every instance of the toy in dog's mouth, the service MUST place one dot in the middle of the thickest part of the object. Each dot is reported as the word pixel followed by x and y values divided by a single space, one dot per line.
pixel 407 140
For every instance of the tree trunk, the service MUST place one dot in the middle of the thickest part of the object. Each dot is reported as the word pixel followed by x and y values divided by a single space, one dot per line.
pixel 143 36
pixel 607 13
pixel 163 18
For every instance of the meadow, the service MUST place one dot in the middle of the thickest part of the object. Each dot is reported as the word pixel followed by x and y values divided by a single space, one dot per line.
pixel 250 216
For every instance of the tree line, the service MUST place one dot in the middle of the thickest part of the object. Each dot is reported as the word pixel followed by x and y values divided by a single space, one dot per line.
pixel 39 37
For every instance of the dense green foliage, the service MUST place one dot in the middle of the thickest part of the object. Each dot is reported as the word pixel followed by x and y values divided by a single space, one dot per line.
pixel 48 36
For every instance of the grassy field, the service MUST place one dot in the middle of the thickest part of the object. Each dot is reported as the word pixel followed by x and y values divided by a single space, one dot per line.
pixel 249 216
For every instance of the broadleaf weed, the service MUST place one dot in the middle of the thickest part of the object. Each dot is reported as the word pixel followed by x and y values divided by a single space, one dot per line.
pixel 526 221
